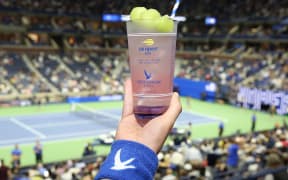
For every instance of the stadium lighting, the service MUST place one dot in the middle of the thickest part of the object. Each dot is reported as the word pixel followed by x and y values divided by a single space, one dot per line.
pixel 210 21
pixel 111 17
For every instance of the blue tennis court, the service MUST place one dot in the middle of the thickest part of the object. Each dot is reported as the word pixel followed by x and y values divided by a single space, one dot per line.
pixel 68 125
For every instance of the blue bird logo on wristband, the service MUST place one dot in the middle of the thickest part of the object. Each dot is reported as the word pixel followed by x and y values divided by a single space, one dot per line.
pixel 122 165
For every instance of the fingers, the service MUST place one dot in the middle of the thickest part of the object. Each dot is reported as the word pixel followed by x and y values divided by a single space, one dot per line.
pixel 160 127
pixel 174 110
pixel 128 98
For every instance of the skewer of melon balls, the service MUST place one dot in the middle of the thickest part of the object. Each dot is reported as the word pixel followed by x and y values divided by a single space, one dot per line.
pixel 152 19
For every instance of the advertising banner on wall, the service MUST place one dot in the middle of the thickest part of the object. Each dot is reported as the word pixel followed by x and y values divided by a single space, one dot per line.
pixel 256 98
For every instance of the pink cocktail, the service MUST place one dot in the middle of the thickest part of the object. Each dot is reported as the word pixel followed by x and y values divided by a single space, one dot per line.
pixel 151 58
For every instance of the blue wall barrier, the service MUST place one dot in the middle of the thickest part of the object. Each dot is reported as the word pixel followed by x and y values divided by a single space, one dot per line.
pixel 196 89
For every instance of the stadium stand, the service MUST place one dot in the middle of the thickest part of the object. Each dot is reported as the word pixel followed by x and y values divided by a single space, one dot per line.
pixel 51 50
pixel 231 40
pixel 259 154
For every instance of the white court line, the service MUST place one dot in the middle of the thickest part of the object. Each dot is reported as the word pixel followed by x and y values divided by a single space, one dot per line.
pixel 18 140
pixel 109 115
pixel 211 117
pixel 51 139
pixel 100 112
pixel 79 133
pixel 47 125
pixel 28 128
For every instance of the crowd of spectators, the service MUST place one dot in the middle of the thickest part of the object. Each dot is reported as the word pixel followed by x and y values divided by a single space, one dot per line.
pixel 66 26
pixel 28 83
pixel 84 169
pixel 40 31
pixel 80 72
pixel 79 8
pixel 11 39
pixel 235 9
pixel 245 155
pixel 252 9
pixel 267 70
pixel 17 73
pixel 69 73
pixel 69 18
pixel 103 74
pixel 255 155
pixel 4 88
pixel 242 155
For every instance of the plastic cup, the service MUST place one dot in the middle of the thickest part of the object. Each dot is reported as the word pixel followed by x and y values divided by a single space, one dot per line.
pixel 151 61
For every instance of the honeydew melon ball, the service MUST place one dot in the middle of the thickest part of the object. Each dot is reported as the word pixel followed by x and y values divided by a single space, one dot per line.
pixel 165 24
pixel 149 19
pixel 150 14
pixel 136 13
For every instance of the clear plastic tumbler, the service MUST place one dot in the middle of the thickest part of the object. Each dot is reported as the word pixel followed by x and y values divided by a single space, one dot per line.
pixel 151 60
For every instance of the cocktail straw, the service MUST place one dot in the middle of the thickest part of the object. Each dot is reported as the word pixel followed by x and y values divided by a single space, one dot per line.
pixel 175 7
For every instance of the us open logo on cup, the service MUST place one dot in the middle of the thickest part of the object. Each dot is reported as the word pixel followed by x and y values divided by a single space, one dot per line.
pixel 148 49
pixel 148 42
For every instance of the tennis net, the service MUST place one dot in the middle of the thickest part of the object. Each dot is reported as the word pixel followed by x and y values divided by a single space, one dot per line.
pixel 104 118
